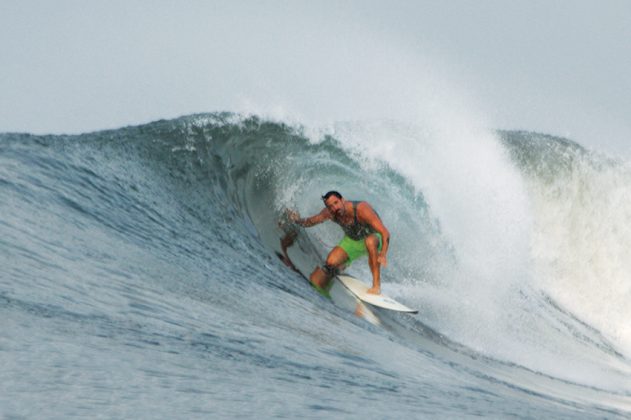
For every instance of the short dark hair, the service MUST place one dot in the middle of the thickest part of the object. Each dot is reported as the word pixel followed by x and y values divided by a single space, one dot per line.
pixel 329 194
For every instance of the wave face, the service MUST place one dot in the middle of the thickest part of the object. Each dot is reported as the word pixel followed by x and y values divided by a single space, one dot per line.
pixel 138 275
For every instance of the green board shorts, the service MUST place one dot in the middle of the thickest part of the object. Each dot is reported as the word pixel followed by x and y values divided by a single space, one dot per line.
pixel 355 249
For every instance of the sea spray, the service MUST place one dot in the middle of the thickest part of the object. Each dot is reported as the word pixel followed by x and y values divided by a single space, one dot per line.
pixel 582 238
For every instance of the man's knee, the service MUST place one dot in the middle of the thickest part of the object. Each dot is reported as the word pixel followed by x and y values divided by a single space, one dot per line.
pixel 332 262
pixel 372 242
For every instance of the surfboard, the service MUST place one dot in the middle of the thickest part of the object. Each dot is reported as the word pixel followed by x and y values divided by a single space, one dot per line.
pixel 359 289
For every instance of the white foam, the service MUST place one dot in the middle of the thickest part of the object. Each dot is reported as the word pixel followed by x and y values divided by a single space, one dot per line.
pixel 490 300
pixel 582 244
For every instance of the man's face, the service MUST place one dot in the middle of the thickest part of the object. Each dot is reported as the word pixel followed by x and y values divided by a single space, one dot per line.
pixel 335 205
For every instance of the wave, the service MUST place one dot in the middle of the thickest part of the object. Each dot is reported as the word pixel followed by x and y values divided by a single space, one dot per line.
pixel 512 243
pixel 579 242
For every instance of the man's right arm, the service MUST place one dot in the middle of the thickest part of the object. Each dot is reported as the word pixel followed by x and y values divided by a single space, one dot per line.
pixel 323 216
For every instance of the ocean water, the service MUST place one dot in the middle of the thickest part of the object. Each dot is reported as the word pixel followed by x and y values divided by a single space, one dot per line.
pixel 139 276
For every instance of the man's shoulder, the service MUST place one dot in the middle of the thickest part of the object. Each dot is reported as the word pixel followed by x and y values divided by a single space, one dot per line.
pixel 363 207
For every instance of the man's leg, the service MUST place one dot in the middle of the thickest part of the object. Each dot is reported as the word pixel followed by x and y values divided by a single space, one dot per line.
pixel 321 277
pixel 372 245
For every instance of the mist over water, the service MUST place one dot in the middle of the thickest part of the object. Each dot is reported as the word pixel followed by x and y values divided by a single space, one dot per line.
pixel 539 66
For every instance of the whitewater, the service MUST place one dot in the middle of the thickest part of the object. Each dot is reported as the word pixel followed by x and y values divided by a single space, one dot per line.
pixel 139 275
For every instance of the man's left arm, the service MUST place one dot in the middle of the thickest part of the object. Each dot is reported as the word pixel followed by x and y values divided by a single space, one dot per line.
pixel 366 214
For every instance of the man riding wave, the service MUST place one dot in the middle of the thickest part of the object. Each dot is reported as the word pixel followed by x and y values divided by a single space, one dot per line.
pixel 364 234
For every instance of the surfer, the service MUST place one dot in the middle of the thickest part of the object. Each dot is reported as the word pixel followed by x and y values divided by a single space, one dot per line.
pixel 364 234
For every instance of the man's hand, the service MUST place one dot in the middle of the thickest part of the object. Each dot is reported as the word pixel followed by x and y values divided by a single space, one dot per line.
pixel 293 215
pixel 382 260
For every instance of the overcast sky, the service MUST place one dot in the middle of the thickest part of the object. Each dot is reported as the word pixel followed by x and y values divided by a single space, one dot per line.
pixel 559 67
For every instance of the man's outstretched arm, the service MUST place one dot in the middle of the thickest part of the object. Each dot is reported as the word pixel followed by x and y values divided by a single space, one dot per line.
pixel 323 216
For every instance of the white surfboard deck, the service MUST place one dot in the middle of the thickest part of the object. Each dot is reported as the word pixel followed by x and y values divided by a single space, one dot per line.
pixel 359 289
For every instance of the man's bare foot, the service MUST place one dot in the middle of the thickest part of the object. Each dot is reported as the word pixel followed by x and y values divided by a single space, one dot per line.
pixel 374 291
